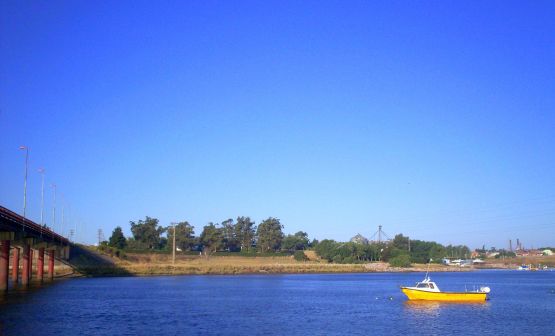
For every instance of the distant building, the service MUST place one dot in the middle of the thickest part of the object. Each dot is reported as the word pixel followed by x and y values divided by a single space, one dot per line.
pixel 526 253
pixel 547 252
pixel 359 239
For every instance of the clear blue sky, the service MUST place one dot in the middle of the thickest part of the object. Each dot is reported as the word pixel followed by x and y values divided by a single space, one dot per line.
pixel 434 119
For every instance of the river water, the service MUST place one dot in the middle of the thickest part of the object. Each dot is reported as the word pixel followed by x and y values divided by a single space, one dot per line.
pixel 522 303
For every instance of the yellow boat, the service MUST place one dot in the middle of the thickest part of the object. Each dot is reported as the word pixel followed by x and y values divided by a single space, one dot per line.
pixel 428 290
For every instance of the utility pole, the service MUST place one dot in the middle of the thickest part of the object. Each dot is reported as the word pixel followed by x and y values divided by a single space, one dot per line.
pixel 75 226
pixel 173 250
pixel 69 218
pixel 100 236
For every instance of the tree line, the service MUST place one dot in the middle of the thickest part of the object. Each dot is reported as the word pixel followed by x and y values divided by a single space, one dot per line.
pixel 400 249
pixel 240 235
pixel 243 235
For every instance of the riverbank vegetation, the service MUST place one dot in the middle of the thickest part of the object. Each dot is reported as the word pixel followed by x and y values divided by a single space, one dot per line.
pixel 243 238
pixel 241 247
pixel 145 264
pixel 415 251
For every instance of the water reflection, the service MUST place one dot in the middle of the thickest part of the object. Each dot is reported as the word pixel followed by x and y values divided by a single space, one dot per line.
pixel 18 293
pixel 434 307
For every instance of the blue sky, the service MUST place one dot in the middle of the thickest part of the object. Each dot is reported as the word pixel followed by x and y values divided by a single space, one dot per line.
pixel 434 119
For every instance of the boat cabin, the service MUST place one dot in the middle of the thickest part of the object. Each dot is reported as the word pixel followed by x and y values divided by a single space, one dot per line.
pixel 427 285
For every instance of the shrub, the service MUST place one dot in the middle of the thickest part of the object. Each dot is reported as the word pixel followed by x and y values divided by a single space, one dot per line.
pixel 112 251
pixel 400 261
pixel 300 256
pixel 337 259
pixel 348 260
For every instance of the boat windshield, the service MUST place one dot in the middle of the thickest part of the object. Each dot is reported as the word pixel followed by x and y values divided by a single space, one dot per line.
pixel 423 285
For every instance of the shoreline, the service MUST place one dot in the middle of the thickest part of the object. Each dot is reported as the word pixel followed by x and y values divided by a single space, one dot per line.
pixel 270 269
pixel 140 264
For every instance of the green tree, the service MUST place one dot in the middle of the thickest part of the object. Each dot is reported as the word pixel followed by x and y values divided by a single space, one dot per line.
pixel 402 260
pixel 117 239
pixel 458 251
pixel 184 236
pixel 230 239
pixel 147 232
pixel 289 243
pixel 346 252
pixel 211 238
pixel 270 235
pixel 423 251
pixel 163 243
pixel 326 249
pixel 244 232
pixel 298 241
pixel 361 252
pixel 401 242
pixel 133 244
pixel 437 252
pixel 313 243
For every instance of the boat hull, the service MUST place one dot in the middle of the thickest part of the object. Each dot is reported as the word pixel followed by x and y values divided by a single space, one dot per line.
pixel 414 294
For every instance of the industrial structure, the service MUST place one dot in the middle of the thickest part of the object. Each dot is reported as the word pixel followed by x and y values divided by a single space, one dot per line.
pixel 380 236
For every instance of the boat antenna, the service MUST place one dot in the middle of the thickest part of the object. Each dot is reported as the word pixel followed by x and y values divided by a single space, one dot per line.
pixel 428 268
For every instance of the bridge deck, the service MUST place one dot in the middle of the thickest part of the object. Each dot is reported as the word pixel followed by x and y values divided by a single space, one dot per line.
pixel 26 228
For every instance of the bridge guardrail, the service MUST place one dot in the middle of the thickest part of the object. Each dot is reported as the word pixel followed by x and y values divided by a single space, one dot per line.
pixel 27 223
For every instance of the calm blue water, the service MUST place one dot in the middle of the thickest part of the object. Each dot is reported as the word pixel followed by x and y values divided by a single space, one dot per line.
pixel 522 303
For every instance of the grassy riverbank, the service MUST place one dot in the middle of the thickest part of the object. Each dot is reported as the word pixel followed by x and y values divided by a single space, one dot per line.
pixel 95 263
pixel 161 264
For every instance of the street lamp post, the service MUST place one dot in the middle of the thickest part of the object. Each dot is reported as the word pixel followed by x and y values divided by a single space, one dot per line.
pixel 41 171
pixel 26 149
pixel 54 208
pixel 62 226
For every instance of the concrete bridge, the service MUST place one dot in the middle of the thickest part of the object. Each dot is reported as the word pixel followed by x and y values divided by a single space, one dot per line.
pixel 21 238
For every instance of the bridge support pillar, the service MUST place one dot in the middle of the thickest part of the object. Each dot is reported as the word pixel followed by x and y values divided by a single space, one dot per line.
pixel 51 265
pixel 30 264
pixel 40 265
pixel 25 271
pixel 4 264
pixel 65 252
pixel 15 266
